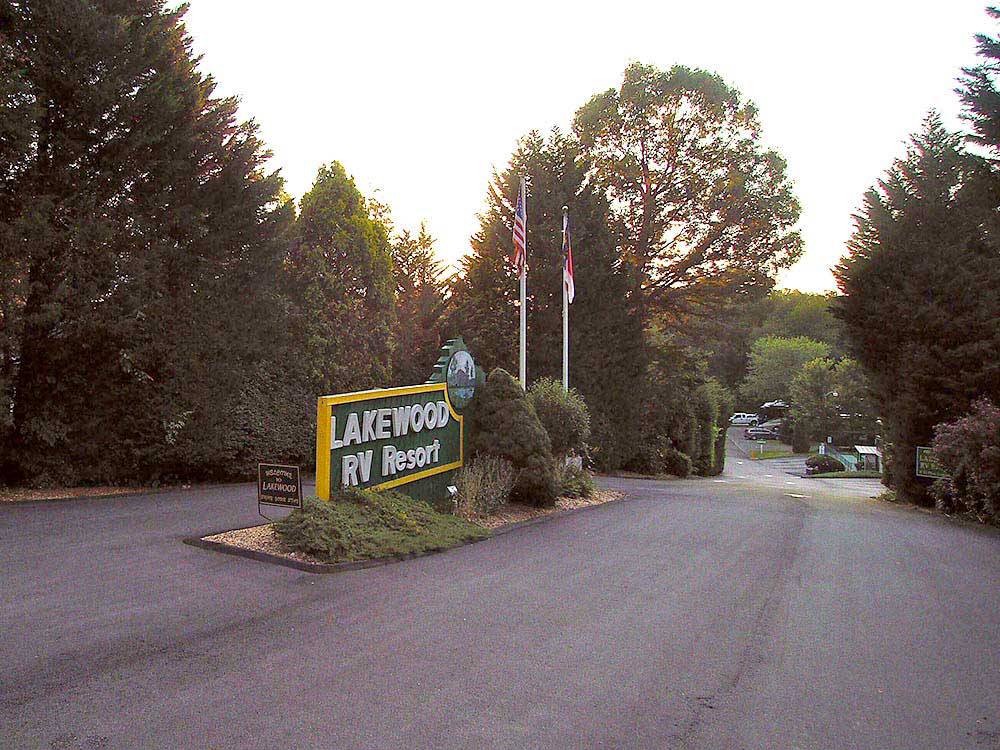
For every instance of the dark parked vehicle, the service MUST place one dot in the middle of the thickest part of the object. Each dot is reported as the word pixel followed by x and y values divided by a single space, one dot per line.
pixel 760 433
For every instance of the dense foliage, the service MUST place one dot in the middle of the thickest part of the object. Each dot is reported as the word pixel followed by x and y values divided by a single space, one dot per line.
pixel 166 313
pixel 830 399
pixel 575 482
pixel 139 238
pixel 969 449
pixel 701 210
pixel 774 362
pixel 504 424
pixel 563 414
pixel 420 307
pixel 919 303
pixel 606 337
pixel 824 464
pixel 366 525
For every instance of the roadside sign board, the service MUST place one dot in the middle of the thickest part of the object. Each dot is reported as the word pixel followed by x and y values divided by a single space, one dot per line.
pixel 928 466
pixel 279 485
pixel 386 438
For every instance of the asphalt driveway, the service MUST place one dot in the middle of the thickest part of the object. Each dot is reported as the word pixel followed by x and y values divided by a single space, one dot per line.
pixel 739 612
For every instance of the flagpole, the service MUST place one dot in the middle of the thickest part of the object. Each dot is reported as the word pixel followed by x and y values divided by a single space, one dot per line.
pixel 565 308
pixel 524 296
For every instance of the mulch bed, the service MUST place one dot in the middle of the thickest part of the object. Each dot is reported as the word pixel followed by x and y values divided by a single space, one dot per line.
pixel 262 539
pixel 22 495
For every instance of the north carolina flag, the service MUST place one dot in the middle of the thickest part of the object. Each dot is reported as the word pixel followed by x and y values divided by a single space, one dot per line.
pixel 568 261
pixel 520 229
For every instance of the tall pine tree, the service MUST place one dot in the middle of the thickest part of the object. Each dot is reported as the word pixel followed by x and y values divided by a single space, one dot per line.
pixel 920 307
pixel 340 288
pixel 606 340
pixel 136 222
pixel 420 304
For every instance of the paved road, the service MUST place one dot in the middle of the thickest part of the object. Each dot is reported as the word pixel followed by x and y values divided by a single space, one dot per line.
pixel 742 612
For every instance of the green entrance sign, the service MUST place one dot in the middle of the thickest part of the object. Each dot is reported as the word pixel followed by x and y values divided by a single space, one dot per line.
pixel 928 465
pixel 386 438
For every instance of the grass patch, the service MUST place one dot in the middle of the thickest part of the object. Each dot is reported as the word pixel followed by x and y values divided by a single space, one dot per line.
pixel 759 456
pixel 847 475
pixel 366 525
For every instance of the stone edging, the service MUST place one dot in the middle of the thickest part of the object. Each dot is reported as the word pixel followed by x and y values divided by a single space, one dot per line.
pixel 308 567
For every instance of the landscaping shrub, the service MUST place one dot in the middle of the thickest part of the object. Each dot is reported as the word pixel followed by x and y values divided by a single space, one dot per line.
pixel 647 459
pixel 574 482
pixel 659 457
pixel 484 485
pixel 564 415
pixel 969 449
pixel 504 424
pixel 675 463
pixel 823 464
pixel 365 524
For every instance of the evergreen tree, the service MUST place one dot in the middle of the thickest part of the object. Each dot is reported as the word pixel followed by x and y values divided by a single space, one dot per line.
pixel 340 288
pixel 979 92
pixel 420 301
pixel 136 223
pixel 920 307
pixel 606 340
pixel 504 424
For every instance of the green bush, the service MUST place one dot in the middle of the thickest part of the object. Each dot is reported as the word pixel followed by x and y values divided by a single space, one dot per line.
pixel 647 459
pixel 574 482
pixel 563 414
pixel 675 463
pixel 365 525
pixel 504 424
pixel 823 464
pixel 969 449
pixel 484 485
pixel 659 457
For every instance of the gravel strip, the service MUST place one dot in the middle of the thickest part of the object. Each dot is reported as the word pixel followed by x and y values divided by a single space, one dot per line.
pixel 22 495
pixel 515 512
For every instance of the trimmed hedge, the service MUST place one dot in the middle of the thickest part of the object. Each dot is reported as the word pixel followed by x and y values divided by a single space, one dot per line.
pixel 824 464
pixel 366 525
pixel 504 424
pixel 564 415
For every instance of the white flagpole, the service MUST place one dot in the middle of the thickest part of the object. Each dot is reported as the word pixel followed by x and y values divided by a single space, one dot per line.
pixel 524 294
pixel 565 307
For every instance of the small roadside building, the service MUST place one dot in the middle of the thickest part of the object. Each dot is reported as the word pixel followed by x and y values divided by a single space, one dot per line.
pixel 869 458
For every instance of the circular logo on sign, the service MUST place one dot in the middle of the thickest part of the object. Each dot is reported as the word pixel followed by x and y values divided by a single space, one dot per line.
pixel 461 379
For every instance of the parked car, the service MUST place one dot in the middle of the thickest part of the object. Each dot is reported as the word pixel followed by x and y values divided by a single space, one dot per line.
pixel 743 418
pixel 760 433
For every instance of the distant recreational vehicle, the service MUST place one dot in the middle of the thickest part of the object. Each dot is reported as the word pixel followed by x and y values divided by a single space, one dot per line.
pixel 772 410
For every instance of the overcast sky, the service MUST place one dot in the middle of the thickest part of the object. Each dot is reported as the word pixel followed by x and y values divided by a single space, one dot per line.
pixel 422 100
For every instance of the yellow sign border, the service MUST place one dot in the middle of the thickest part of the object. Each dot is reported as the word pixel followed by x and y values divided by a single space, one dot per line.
pixel 324 410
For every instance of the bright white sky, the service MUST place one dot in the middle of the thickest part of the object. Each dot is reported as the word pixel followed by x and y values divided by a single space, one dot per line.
pixel 422 100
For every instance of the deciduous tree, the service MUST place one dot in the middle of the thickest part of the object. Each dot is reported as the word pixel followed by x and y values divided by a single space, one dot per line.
pixel 774 362
pixel 701 209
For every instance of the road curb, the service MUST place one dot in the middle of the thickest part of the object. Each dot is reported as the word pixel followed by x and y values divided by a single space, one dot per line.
pixel 308 567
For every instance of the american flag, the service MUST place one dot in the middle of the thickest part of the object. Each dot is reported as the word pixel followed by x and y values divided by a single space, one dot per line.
pixel 568 261
pixel 520 231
